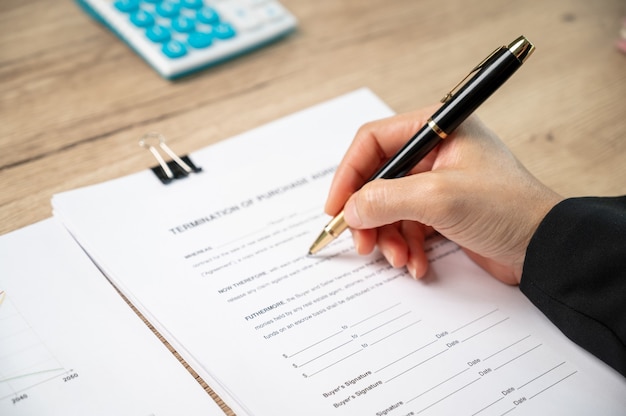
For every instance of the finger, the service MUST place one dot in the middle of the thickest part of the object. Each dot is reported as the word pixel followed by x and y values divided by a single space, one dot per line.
pixel 415 234
pixel 393 245
pixel 364 240
pixel 374 144
pixel 427 198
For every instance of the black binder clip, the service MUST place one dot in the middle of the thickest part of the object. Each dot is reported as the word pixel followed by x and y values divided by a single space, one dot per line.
pixel 177 168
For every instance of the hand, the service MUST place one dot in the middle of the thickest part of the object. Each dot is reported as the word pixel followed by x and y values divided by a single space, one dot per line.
pixel 471 189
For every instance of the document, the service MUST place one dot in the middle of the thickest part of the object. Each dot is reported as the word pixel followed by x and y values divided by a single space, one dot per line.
pixel 218 263
pixel 70 345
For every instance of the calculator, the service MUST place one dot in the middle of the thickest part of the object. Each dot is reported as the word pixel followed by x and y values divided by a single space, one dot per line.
pixel 178 37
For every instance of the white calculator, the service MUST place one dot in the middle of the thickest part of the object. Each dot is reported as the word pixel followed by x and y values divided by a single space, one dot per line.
pixel 177 37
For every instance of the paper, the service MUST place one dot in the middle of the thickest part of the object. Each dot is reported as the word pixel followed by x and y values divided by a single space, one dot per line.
pixel 218 262
pixel 70 345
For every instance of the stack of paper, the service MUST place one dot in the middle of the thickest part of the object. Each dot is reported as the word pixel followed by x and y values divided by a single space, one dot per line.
pixel 70 345
pixel 218 263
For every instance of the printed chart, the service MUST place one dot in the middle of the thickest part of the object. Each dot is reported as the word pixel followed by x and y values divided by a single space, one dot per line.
pixel 25 361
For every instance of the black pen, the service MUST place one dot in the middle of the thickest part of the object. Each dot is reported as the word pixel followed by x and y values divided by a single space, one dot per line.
pixel 484 79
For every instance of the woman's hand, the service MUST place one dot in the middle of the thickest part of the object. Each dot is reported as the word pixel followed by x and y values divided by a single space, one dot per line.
pixel 471 189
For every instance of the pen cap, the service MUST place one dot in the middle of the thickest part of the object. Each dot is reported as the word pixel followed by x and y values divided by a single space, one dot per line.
pixel 489 76
pixel 521 48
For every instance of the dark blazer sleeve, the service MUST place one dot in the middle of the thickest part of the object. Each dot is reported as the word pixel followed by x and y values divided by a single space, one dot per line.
pixel 575 273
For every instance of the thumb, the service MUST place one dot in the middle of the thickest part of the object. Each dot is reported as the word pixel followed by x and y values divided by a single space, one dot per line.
pixel 385 201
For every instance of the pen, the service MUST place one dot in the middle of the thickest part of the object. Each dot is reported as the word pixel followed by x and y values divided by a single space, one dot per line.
pixel 482 81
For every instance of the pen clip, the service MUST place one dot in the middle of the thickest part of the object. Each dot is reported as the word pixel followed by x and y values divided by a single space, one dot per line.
pixel 449 95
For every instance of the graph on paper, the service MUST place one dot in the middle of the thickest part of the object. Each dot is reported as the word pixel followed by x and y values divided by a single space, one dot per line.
pixel 25 360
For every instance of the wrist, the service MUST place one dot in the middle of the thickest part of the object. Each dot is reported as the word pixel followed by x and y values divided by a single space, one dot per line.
pixel 539 214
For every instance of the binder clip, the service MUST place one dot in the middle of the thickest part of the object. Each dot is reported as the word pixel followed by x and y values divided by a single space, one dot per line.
pixel 177 168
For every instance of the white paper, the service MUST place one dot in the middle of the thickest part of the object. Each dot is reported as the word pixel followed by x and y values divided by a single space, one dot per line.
pixel 70 345
pixel 218 262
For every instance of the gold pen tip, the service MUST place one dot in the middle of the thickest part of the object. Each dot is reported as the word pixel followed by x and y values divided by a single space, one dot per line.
pixel 332 230
pixel 321 241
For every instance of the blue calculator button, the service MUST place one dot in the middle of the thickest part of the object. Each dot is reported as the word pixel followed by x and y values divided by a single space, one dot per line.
pixel 181 36
pixel 158 34
pixel 174 49
pixel 168 9
pixel 223 31
pixel 127 6
pixel 208 15
pixel 192 4
pixel 200 40
pixel 183 24
pixel 142 18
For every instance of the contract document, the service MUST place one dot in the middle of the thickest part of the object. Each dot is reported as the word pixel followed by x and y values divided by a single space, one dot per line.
pixel 70 345
pixel 218 263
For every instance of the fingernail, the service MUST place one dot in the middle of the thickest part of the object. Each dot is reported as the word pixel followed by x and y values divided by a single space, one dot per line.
pixel 356 241
pixel 410 267
pixel 390 257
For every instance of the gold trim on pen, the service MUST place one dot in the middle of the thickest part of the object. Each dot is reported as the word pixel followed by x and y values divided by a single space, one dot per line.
pixel 474 70
pixel 333 229
pixel 521 48
pixel 437 129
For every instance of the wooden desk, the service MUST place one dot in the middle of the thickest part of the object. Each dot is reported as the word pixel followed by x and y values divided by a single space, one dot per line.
pixel 75 100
